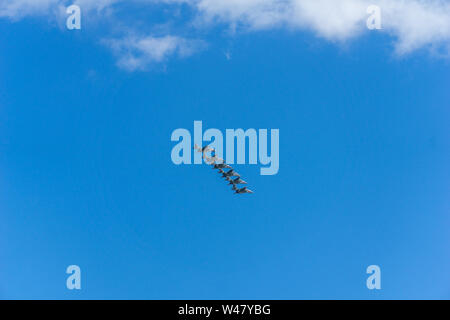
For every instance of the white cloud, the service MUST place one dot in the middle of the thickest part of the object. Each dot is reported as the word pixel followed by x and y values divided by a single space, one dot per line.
pixel 335 20
pixel 413 24
pixel 94 4
pixel 139 53
pixel 253 14
pixel 16 9
pixel 417 24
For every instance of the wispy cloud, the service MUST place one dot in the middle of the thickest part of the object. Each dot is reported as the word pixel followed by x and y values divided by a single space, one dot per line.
pixel 140 53
pixel 413 24
pixel 417 24
pixel 16 9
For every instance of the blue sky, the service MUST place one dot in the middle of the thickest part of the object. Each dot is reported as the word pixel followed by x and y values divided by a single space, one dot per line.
pixel 86 176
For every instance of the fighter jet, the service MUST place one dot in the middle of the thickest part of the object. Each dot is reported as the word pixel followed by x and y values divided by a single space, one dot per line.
pixel 236 181
pixel 221 166
pixel 242 190
pixel 204 149
pixel 230 173
pixel 231 176
pixel 213 160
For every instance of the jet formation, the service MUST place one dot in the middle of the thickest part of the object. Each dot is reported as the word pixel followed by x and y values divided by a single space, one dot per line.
pixel 233 178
